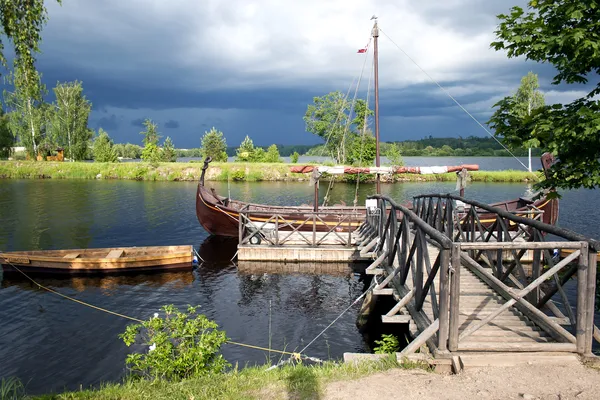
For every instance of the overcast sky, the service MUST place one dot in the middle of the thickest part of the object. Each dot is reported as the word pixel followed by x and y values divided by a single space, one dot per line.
pixel 250 67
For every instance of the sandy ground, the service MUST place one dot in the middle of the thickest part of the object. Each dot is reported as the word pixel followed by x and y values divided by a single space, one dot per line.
pixel 574 381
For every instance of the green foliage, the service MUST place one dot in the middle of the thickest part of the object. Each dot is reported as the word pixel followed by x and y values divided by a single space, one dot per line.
pixel 327 118
pixel 168 151
pixel 11 389
pixel 248 153
pixel 362 150
pixel 69 119
pixel 294 157
pixel 394 155
pixel 6 136
pixel 103 148
pixel 181 345
pixel 151 153
pixel 214 145
pixel 28 112
pixel 565 34
pixel 272 155
pixel 388 344
pixel 361 114
pixel 528 97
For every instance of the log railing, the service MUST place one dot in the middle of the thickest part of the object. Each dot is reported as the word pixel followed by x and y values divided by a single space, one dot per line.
pixel 309 228
pixel 511 253
pixel 416 258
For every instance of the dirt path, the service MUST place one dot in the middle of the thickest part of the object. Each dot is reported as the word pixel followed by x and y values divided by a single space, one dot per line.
pixel 522 382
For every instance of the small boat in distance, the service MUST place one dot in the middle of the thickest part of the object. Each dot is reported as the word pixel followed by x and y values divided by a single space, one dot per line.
pixel 99 260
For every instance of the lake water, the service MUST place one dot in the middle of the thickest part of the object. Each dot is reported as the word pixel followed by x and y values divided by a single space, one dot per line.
pixel 53 344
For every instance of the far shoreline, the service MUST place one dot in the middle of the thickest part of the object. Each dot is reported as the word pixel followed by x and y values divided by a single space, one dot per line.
pixel 221 171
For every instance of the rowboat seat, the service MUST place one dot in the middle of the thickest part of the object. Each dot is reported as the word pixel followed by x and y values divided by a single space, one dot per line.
pixel 71 255
pixel 115 253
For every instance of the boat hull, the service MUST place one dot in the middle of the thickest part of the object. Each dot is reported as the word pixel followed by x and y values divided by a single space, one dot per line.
pixel 100 261
pixel 219 216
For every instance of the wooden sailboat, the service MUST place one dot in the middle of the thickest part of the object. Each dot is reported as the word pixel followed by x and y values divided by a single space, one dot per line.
pixel 220 215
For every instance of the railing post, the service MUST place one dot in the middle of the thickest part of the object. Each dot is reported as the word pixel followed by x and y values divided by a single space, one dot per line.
pixel 444 299
pixel 314 242
pixel 240 227
pixel 591 299
pixel 582 277
pixel 276 229
pixel 454 299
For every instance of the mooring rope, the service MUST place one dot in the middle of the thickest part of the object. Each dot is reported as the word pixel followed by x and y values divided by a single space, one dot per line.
pixel 296 355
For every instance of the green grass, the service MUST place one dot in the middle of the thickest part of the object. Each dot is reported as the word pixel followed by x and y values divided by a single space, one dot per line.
pixel 251 172
pixel 290 382
pixel 11 389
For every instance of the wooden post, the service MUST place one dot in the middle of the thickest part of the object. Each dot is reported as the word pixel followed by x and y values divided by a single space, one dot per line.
pixel 276 229
pixel 444 298
pixel 591 300
pixel 240 228
pixel 314 242
pixel 582 274
pixel 454 299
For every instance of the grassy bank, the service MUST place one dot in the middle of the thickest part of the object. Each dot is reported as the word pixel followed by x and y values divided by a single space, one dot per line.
pixel 291 382
pixel 250 172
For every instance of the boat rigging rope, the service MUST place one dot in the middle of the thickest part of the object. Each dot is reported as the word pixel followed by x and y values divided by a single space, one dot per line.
pixel 364 132
pixel 456 101
pixel 296 355
pixel 341 111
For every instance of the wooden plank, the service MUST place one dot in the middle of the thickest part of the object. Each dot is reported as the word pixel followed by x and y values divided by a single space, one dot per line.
pixel 557 331
pixel 582 273
pixel 520 347
pixel 396 319
pixel 591 298
pixel 422 338
pixel 385 292
pixel 402 303
pixel 116 253
pixel 519 245
pixel 443 317
pixel 72 255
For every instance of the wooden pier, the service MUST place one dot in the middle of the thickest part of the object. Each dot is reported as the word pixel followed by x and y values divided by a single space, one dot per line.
pixel 461 284
pixel 311 237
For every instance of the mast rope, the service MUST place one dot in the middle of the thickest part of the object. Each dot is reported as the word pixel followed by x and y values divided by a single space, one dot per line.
pixel 346 98
pixel 348 121
pixel 456 101
pixel 362 139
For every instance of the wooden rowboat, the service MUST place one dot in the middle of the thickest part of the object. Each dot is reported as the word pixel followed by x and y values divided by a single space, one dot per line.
pixel 99 260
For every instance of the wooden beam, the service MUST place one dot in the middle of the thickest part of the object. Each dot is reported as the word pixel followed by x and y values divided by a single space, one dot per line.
pixel 422 338
pixel 396 319
pixel 591 300
pixel 454 309
pixel 402 303
pixel 582 275
pixel 519 245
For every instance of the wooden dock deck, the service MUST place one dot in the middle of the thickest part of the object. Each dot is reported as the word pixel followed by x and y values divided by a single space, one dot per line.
pixel 463 288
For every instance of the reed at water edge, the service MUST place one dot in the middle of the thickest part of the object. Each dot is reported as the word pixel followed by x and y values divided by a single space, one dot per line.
pixel 248 172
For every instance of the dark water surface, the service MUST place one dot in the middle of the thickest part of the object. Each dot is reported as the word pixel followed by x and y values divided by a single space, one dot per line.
pixel 53 344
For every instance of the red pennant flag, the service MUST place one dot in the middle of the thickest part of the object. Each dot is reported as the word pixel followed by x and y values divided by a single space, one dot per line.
pixel 362 50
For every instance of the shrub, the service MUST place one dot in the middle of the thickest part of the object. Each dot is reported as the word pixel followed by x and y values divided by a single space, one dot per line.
pixel 181 345
pixel 294 157
pixel 387 344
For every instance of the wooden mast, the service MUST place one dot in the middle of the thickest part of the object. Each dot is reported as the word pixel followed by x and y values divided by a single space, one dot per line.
pixel 376 68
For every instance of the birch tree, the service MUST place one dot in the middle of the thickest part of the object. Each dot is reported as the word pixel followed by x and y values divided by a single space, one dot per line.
pixel 28 117
pixel 70 119
pixel 528 99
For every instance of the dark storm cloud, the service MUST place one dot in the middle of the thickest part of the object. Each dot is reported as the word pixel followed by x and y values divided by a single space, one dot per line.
pixel 108 123
pixel 171 124
pixel 139 122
